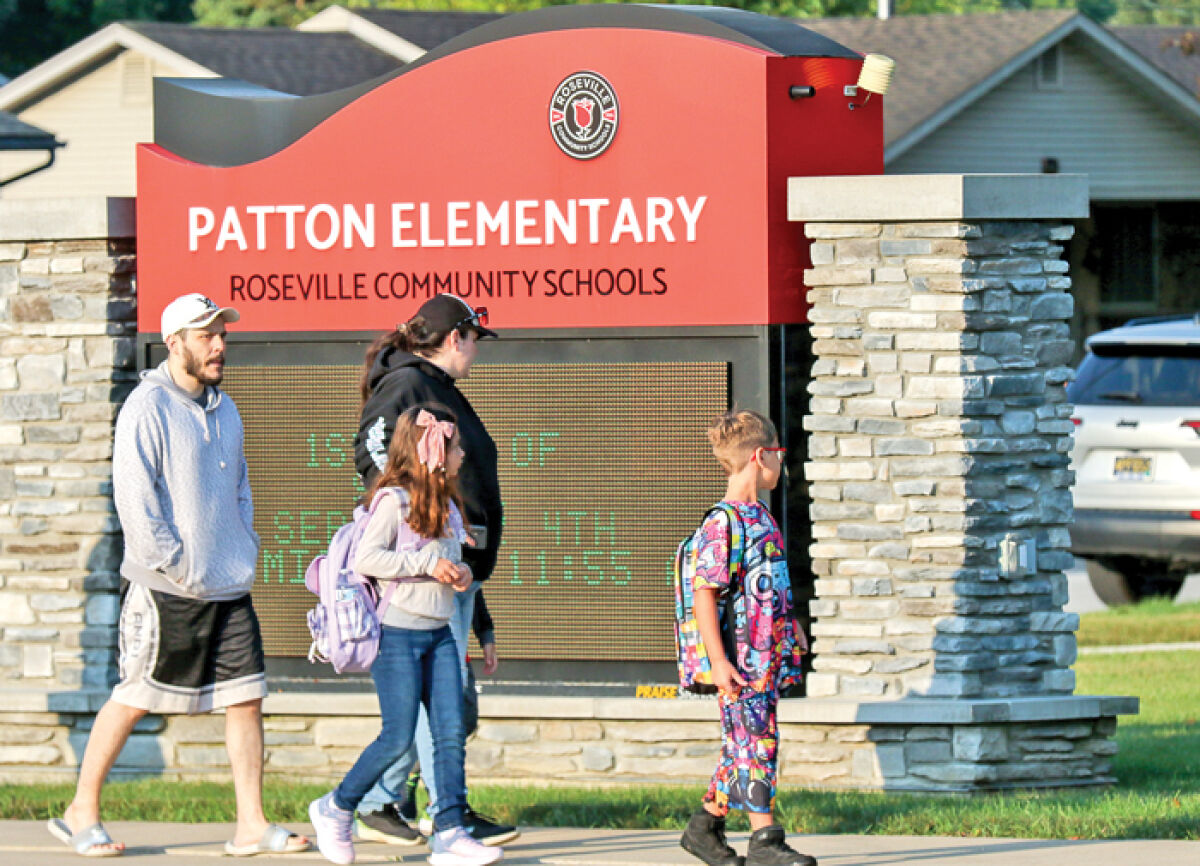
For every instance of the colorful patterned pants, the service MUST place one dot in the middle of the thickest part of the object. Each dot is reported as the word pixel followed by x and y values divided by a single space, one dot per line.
pixel 745 776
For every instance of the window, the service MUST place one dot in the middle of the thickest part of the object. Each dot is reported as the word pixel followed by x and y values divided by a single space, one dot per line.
pixel 1139 375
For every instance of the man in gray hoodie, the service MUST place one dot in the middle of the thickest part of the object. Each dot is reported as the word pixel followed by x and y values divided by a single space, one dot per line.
pixel 189 638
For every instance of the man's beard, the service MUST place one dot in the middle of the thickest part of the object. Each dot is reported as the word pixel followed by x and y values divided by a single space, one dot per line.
pixel 194 367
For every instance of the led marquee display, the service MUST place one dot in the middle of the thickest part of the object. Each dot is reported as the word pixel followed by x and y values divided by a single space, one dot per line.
pixel 603 466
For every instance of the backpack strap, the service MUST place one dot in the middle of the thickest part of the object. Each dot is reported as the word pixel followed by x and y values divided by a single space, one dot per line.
pixel 737 538
pixel 384 598
pixel 737 556
pixel 379 497
pixel 386 595
pixel 458 525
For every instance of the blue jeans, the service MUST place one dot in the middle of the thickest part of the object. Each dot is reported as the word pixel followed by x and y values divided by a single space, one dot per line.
pixel 414 670
pixel 390 787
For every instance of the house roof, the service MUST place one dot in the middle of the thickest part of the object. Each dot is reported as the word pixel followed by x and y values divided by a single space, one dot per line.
pixel 403 33
pixel 296 62
pixel 16 134
pixel 939 57
pixel 426 29
pixel 290 61
pixel 1174 50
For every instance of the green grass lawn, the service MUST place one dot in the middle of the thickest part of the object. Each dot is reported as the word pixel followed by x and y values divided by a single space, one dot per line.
pixel 1155 620
pixel 1157 795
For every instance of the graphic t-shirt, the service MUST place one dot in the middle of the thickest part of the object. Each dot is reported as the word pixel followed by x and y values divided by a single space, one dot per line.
pixel 769 642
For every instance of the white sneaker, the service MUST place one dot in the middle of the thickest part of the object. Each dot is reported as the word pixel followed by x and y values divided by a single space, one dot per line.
pixel 455 847
pixel 425 826
pixel 334 829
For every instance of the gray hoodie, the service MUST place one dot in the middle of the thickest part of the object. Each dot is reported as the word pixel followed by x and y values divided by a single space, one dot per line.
pixel 182 492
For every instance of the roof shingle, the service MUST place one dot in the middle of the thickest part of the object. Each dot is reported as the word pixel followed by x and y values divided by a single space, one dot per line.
pixel 290 61
pixel 1174 50
pixel 426 29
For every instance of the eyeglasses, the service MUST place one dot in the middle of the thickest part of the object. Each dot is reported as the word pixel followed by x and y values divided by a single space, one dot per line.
pixel 478 318
pixel 779 450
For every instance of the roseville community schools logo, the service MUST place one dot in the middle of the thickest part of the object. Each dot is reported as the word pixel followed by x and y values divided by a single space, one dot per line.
pixel 584 115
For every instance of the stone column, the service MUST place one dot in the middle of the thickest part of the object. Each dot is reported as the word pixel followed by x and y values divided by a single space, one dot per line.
pixel 66 361
pixel 939 440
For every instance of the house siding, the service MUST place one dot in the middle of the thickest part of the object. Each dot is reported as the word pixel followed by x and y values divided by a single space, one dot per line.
pixel 101 115
pixel 1144 154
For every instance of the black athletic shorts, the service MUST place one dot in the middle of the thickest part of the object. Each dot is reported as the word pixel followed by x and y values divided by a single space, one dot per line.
pixel 183 655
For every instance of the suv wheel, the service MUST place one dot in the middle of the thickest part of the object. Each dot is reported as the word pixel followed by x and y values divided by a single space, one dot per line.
pixel 1112 586
pixel 1126 579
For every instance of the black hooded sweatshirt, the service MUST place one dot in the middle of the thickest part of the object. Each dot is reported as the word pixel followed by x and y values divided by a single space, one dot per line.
pixel 400 380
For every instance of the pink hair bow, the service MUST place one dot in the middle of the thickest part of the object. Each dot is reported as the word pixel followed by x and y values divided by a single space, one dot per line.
pixel 431 448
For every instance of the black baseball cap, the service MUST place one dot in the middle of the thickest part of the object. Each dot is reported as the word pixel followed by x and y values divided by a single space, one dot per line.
pixel 447 312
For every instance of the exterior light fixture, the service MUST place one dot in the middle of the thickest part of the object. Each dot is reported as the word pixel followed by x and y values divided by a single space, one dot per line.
pixel 874 77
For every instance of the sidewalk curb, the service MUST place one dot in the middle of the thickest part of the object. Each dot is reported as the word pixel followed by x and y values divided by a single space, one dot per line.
pixel 26 843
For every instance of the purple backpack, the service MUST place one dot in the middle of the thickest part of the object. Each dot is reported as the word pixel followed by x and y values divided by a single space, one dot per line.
pixel 345 624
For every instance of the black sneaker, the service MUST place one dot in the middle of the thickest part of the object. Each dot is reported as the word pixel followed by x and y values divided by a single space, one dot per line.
pixel 386 826
pixel 704 837
pixel 769 847
pixel 486 831
pixel 407 807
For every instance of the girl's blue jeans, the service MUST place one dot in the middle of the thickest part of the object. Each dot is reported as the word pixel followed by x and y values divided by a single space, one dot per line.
pixel 390 787
pixel 415 669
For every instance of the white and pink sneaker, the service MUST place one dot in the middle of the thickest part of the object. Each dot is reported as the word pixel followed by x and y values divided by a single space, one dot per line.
pixel 334 828
pixel 455 847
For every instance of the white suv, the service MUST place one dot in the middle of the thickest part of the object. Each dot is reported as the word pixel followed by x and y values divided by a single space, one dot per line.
pixel 1137 458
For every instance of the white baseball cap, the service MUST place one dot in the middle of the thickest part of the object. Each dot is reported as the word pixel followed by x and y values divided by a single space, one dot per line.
pixel 193 311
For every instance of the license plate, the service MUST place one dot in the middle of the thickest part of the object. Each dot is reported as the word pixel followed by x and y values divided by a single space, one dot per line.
pixel 1133 468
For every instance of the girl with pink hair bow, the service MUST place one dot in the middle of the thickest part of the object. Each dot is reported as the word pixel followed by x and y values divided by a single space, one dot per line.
pixel 415 536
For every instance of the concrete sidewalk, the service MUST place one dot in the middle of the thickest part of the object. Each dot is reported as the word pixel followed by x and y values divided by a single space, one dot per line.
pixel 26 843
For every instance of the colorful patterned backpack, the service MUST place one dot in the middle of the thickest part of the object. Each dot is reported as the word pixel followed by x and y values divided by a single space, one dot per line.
pixel 695 669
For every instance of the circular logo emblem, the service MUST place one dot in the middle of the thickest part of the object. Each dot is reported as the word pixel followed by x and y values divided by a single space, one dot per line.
pixel 584 115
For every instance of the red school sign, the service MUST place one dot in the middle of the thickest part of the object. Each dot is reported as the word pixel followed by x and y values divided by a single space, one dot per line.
pixel 574 167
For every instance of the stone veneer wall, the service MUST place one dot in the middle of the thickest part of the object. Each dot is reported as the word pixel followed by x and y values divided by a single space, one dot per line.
pixel 66 360
pixel 581 741
pixel 939 476
pixel 939 430
pixel 940 427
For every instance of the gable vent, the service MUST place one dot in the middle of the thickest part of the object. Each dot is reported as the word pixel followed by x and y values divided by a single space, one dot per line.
pixel 1048 69
pixel 136 73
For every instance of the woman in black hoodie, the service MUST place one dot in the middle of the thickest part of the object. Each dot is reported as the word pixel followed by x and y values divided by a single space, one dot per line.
pixel 416 363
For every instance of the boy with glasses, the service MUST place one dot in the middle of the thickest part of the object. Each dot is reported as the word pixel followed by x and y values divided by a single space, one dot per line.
pixel 767 641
